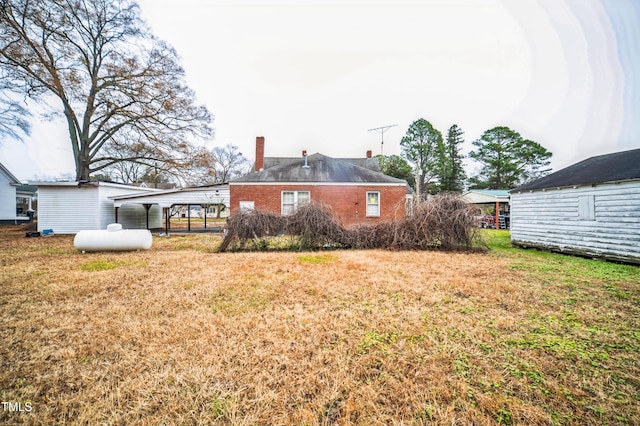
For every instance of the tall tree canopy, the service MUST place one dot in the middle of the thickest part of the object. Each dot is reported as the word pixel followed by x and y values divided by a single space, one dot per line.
pixel 197 168
pixel 396 166
pixel 422 146
pixel 507 159
pixel 452 174
pixel 119 88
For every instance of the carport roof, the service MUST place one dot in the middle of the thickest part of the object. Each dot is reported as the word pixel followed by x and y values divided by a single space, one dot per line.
pixel 485 196
pixel 207 194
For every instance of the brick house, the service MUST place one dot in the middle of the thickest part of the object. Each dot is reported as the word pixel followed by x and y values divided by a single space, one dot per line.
pixel 355 188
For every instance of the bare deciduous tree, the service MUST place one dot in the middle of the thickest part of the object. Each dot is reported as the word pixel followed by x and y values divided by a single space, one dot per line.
pixel 200 170
pixel 229 163
pixel 118 86
pixel 196 168
pixel 14 121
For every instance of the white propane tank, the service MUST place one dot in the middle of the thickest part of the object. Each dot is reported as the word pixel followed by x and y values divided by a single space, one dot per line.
pixel 114 238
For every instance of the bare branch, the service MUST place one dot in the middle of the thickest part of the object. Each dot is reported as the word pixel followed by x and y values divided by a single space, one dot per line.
pixel 113 78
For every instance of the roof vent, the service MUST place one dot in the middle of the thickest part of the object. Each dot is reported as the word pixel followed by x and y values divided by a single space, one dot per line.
pixel 304 155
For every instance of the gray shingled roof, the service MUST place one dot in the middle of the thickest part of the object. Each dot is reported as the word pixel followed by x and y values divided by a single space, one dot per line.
pixel 320 169
pixel 367 163
pixel 615 167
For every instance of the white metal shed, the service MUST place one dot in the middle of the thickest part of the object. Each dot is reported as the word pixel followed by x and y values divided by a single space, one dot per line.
pixel 69 207
pixel 591 208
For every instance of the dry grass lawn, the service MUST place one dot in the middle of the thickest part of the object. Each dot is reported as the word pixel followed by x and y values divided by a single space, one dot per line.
pixel 181 335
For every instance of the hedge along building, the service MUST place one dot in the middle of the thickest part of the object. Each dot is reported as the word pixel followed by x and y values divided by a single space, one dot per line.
pixel 591 208
pixel 354 188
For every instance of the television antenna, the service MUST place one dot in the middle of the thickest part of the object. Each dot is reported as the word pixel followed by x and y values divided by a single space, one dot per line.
pixel 381 130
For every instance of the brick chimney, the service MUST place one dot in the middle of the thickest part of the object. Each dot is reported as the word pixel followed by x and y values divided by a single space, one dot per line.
pixel 369 154
pixel 259 153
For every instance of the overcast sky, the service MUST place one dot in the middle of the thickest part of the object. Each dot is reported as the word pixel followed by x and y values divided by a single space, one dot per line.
pixel 316 75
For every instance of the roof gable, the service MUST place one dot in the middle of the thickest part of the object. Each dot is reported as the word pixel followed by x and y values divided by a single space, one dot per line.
pixel 319 168
pixel 12 179
pixel 619 166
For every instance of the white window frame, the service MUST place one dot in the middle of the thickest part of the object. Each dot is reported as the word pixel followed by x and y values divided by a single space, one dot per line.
pixel 247 205
pixel 370 205
pixel 296 201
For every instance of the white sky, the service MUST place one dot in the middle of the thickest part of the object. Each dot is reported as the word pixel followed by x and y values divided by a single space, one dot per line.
pixel 316 75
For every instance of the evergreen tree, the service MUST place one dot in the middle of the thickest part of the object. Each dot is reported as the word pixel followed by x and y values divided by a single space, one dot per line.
pixel 422 146
pixel 452 174
pixel 507 159
pixel 396 166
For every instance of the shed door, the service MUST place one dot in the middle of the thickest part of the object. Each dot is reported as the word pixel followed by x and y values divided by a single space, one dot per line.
pixel 586 207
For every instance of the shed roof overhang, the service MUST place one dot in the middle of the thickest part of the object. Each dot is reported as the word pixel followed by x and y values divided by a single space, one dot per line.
pixel 485 197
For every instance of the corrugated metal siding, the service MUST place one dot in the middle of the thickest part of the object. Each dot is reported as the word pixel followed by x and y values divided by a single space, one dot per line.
pixel 561 219
pixel 67 210
pixel 133 216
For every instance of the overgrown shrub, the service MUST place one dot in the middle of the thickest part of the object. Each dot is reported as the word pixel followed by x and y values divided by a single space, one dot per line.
pixel 443 222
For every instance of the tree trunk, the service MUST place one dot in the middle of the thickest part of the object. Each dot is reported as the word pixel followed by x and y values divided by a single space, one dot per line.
pixel 83 174
pixel 82 170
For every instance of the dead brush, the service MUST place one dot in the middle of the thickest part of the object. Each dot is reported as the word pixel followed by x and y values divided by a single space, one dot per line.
pixel 443 222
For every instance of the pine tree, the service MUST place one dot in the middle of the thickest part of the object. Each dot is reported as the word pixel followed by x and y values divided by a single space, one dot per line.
pixel 507 159
pixel 452 174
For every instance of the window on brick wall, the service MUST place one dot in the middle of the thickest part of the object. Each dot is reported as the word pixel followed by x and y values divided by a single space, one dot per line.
pixel 373 203
pixel 291 200
pixel 247 205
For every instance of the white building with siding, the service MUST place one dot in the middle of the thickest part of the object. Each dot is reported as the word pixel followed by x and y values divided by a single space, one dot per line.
pixel 14 196
pixel 69 207
pixel 591 208
pixel 8 185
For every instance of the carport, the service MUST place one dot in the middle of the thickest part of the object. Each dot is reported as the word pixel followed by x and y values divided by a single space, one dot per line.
pixel 497 197
pixel 203 196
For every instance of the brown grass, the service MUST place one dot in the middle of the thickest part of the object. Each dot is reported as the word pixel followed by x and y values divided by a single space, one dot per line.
pixel 182 335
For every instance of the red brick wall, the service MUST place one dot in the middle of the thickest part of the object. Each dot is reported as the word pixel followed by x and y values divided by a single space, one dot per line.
pixel 342 198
